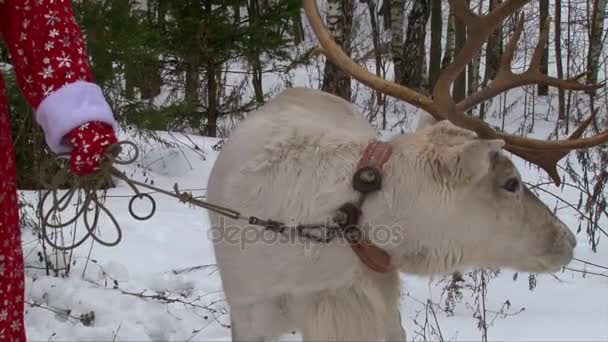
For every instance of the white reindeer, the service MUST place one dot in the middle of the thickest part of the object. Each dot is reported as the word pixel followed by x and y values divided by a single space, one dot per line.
pixel 449 201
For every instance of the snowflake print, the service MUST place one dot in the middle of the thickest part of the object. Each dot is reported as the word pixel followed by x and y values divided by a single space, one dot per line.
pixel 53 33
pixel 15 325
pixel 64 61
pixel 52 18
pixel 48 46
pixel 47 72
pixel 47 90
pixel 65 42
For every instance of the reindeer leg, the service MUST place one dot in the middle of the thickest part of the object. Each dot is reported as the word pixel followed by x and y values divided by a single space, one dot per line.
pixel 395 331
pixel 259 321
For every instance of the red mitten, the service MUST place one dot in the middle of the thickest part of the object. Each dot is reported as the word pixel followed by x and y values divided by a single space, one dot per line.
pixel 89 142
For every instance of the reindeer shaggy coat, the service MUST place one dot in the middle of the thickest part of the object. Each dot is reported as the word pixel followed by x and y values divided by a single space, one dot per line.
pixel 443 206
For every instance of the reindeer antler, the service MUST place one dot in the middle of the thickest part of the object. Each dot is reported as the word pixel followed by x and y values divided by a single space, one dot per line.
pixel 545 154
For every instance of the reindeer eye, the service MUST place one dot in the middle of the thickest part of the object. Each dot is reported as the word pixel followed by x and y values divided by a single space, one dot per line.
pixel 512 185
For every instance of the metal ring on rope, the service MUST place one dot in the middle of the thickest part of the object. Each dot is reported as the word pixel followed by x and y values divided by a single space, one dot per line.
pixel 152 211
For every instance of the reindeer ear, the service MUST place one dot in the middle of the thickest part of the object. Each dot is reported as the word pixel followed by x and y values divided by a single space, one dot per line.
pixel 472 160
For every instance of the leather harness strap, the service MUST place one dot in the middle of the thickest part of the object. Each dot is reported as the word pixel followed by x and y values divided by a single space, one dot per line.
pixel 367 179
pixel 375 155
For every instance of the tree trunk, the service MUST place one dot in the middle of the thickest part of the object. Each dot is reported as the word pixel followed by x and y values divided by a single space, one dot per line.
pixel 371 4
pixel 558 59
pixel 212 100
pixel 413 71
pixel 211 69
pixel 595 49
pixel 568 63
pixel 448 56
pixel 543 89
pixel 193 83
pixel 595 40
pixel 298 29
pixel 494 49
pixel 396 21
pixel 254 13
pixel 385 12
pixel 473 75
pixel 460 33
pixel 339 24
pixel 256 81
pixel 130 80
pixel 150 74
pixel 435 49
pixel 493 53
pixel 152 80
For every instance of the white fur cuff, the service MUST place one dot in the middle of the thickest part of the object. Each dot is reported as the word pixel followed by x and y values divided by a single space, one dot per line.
pixel 69 107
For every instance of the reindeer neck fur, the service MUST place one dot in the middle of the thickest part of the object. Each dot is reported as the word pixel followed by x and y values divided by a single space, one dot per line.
pixel 397 210
pixel 321 168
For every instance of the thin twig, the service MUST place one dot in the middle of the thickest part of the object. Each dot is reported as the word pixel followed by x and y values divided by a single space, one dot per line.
pixel 590 263
pixel 586 272
pixel 116 332
pixel 436 321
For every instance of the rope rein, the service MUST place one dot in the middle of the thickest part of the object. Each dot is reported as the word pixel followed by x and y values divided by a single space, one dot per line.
pixel 92 204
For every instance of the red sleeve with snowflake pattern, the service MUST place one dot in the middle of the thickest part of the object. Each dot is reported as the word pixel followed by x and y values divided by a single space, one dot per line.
pixel 49 56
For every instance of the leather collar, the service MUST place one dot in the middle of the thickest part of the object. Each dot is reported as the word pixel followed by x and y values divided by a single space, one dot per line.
pixel 367 179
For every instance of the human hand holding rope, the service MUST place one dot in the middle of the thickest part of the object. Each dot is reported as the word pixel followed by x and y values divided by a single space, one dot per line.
pixel 89 184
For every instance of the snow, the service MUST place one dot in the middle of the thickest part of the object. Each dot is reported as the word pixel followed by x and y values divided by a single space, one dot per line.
pixel 170 256
pixel 160 282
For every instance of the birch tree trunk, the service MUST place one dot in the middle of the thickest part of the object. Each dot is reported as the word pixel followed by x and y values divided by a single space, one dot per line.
pixel 371 5
pixel 396 18
pixel 473 75
pixel 595 41
pixel 494 49
pixel 448 56
pixel 595 49
pixel 558 59
pixel 339 24
pixel 493 52
pixel 413 71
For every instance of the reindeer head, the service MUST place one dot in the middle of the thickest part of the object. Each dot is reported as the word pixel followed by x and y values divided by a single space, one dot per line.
pixel 460 203
pixel 471 207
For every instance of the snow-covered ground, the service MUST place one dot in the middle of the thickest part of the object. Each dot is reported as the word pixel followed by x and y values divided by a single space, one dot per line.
pixel 160 284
